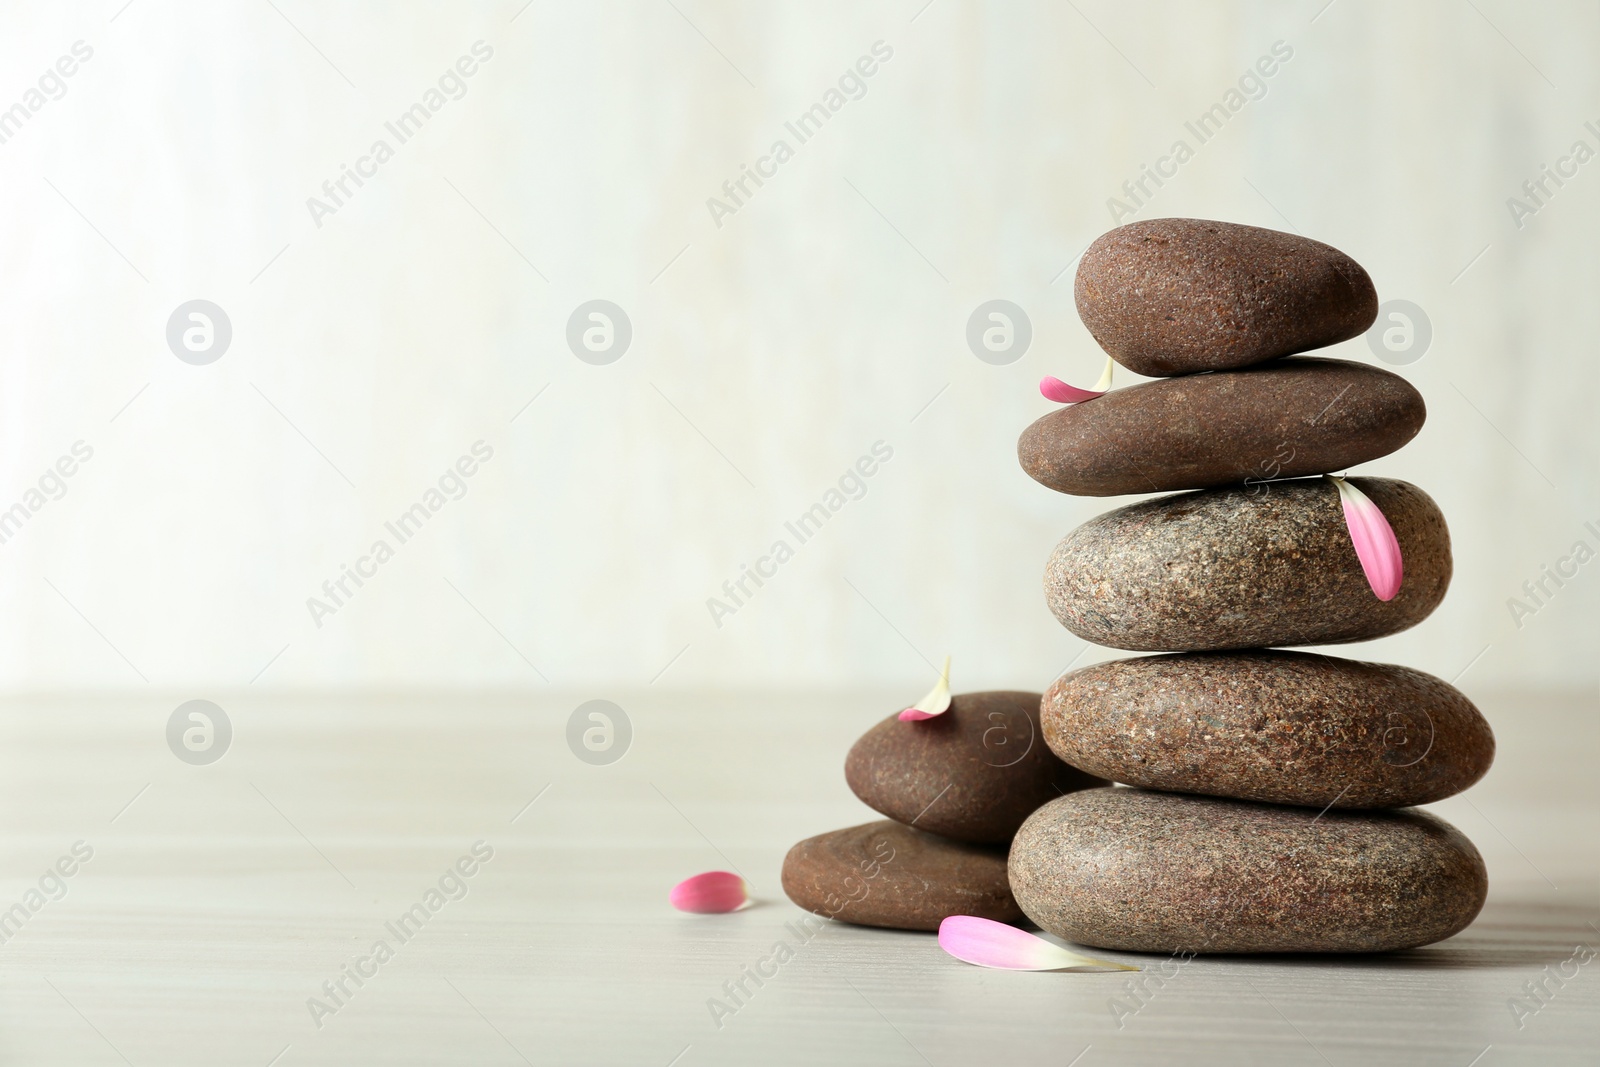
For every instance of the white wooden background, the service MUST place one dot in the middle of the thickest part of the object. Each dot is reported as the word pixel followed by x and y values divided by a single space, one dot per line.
pixel 767 356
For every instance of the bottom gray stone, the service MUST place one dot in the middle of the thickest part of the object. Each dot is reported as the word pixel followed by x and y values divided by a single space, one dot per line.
pixel 1159 872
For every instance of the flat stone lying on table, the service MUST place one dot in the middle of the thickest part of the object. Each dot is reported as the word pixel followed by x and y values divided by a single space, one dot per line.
pixel 1249 567
pixel 1280 727
pixel 1284 419
pixel 1177 296
pixel 971 774
pixel 886 874
pixel 1158 872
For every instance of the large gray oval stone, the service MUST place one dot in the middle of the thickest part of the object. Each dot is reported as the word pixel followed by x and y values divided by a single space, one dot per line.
pixel 1283 419
pixel 1176 296
pixel 1248 567
pixel 886 874
pixel 972 774
pixel 1158 872
pixel 1282 727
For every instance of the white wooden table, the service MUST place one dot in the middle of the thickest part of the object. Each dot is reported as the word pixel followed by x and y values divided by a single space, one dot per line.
pixel 220 898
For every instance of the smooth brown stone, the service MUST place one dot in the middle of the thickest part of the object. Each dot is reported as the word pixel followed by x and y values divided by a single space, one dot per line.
pixel 1157 872
pixel 971 774
pixel 1177 296
pixel 885 874
pixel 1280 727
pixel 1252 567
pixel 1284 419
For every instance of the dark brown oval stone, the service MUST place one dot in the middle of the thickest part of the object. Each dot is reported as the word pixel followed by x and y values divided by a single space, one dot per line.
pixel 1281 727
pixel 1284 419
pixel 1177 296
pixel 1249 567
pixel 1158 872
pixel 972 774
pixel 885 874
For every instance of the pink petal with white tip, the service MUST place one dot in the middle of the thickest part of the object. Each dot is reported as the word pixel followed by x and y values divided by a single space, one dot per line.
pixel 1374 540
pixel 710 893
pixel 937 702
pixel 987 943
pixel 1062 393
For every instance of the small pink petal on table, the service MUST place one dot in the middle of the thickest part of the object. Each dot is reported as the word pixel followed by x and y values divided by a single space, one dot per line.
pixel 710 893
pixel 987 943
pixel 1374 540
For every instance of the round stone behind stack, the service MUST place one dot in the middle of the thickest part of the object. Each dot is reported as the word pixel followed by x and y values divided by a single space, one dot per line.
pixel 1284 419
pixel 1177 296
pixel 1244 568
pixel 971 774
pixel 1153 872
pixel 1281 727
pixel 885 874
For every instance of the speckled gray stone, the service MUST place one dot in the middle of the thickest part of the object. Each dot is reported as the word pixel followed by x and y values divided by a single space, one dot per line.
pixel 885 874
pixel 1159 872
pixel 1283 419
pixel 972 774
pixel 1248 567
pixel 1176 296
pixel 1282 727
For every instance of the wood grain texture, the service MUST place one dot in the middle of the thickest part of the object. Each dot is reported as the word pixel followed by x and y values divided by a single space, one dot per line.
pixel 222 897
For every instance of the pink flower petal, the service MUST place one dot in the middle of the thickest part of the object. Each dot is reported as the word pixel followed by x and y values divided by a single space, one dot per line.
pixel 990 944
pixel 937 702
pixel 1062 393
pixel 710 893
pixel 1374 540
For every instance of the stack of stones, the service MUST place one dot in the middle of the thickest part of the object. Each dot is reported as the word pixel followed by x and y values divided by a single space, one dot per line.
pixel 955 789
pixel 1267 813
